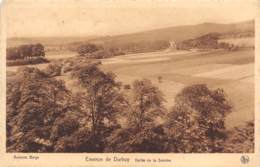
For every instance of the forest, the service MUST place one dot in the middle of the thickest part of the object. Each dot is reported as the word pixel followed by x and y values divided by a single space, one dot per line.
pixel 208 41
pixel 25 54
pixel 25 51
pixel 106 49
pixel 44 115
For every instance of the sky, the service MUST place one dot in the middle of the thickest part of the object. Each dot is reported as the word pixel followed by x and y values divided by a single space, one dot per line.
pixel 48 18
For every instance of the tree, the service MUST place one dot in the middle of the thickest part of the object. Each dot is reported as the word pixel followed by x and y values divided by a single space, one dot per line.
pixel 34 104
pixel 147 104
pixel 102 101
pixel 241 139
pixel 87 49
pixel 151 139
pixel 196 122
pixel 53 69
pixel 25 51
pixel 38 50
pixel 12 53
pixel 43 116
pixel 160 78
pixel 142 133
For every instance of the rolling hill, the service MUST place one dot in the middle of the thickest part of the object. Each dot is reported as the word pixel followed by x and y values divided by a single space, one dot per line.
pixel 180 33
pixel 177 33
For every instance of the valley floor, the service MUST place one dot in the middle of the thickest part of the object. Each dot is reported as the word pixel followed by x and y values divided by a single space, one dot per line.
pixel 231 71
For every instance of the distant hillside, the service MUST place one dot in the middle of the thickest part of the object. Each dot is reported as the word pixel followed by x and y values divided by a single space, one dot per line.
pixel 179 33
pixel 216 41
pixel 160 39
pixel 51 43
pixel 147 41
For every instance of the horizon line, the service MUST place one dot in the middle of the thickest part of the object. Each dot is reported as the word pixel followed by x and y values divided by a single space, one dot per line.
pixel 104 36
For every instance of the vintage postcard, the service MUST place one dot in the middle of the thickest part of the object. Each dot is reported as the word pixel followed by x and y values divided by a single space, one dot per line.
pixel 129 83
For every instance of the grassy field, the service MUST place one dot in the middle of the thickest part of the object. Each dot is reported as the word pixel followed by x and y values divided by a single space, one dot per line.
pixel 232 71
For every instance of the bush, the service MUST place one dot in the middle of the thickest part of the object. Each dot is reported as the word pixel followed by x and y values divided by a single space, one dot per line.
pixel 53 70
pixel 241 139
pixel 127 87
pixel 87 49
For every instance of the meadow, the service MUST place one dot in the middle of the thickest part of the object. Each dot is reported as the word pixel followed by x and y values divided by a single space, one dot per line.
pixel 231 71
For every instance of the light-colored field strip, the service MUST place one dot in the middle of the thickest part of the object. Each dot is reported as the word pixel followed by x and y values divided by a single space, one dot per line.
pixel 242 97
pixel 51 56
pixel 229 71
pixel 124 61
pixel 40 66
pixel 193 70
pixel 153 54
pixel 169 88
pixel 143 58
pixel 232 72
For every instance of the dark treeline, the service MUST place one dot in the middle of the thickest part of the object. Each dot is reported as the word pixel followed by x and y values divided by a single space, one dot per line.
pixel 144 46
pixel 208 41
pixel 95 51
pixel 25 51
pixel 43 115
pixel 109 49
pixel 25 54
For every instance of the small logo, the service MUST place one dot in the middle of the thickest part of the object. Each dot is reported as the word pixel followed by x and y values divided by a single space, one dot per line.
pixel 244 159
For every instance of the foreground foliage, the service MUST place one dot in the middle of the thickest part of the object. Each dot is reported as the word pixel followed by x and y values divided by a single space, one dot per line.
pixel 196 122
pixel 44 116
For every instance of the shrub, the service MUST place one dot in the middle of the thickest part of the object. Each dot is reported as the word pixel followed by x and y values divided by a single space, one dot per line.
pixel 240 139
pixel 53 70
pixel 87 49
pixel 127 86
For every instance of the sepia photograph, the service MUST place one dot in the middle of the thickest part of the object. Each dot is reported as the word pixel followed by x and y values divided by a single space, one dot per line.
pixel 130 77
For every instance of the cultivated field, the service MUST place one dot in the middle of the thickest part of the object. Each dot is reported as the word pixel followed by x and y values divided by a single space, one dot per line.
pixel 232 71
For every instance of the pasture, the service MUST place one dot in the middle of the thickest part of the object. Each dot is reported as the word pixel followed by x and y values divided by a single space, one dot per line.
pixel 231 71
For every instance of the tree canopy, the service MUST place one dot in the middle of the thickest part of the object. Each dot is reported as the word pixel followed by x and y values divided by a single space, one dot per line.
pixel 197 120
pixel 25 51
pixel 44 116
